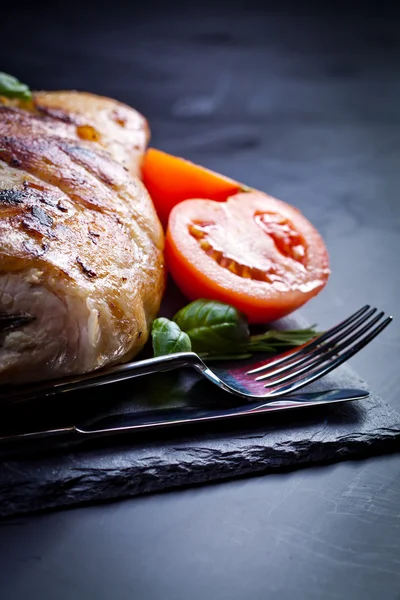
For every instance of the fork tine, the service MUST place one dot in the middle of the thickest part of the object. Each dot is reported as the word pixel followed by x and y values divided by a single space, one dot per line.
pixel 305 348
pixel 325 369
pixel 321 355
pixel 323 350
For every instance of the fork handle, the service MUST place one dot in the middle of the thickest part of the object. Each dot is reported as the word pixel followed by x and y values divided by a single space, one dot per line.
pixel 168 362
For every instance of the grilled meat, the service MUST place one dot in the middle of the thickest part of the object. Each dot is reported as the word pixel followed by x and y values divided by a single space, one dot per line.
pixel 81 247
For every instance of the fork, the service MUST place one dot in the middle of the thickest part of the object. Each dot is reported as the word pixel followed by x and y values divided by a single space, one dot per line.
pixel 270 379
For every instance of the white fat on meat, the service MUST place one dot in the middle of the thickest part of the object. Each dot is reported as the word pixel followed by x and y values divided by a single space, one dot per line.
pixel 63 337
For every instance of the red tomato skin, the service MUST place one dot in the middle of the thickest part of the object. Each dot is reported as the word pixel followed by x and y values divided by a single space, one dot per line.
pixel 202 289
pixel 185 264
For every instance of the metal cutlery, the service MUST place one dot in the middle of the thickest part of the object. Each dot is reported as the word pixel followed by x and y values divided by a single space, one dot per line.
pixel 144 421
pixel 268 379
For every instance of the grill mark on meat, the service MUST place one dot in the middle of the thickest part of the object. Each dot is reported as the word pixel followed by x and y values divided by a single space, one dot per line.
pixel 81 177
pixel 43 218
pixel 15 196
pixel 37 231
pixel 38 222
pixel 59 114
pixel 12 197
pixel 91 184
pixel 88 272
pixel 97 163
pixel 104 204
pixel 38 192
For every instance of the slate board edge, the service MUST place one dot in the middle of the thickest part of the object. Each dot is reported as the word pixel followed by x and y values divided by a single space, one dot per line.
pixel 89 487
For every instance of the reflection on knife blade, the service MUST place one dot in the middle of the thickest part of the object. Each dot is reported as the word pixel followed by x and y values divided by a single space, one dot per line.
pixel 138 422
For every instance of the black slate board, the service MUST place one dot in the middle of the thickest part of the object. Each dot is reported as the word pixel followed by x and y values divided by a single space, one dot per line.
pixel 131 466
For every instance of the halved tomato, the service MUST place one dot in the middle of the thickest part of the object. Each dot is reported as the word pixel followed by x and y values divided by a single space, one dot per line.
pixel 255 252
pixel 170 180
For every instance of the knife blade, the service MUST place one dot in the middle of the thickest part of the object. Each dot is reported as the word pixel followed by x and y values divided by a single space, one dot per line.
pixel 173 417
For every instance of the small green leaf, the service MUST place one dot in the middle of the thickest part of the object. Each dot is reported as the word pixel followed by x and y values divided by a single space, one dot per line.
pixel 167 338
pixel 213 327
pixel 12 88
pixel 281 339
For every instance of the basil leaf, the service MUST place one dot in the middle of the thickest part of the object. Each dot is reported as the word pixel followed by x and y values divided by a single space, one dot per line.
pixel 213 327
pixel 167 338
pixel 12 88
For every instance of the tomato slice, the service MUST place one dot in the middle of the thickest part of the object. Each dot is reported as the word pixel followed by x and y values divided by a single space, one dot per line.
pixel 170 180
pixel 255 252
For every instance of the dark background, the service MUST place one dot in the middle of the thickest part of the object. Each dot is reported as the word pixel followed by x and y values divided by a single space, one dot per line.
pixel 302 101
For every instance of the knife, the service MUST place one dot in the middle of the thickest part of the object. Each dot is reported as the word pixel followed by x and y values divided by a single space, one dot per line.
pixel 139 422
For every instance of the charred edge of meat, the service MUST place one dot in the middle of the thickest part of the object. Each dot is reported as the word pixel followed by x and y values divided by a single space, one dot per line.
pixel 12 197
pixel 88 272
pixel 9 322
pixel 40 193
pixel 42 216
pixel 15 196
pixel 58 114
pixel 39 223
pixel 90 160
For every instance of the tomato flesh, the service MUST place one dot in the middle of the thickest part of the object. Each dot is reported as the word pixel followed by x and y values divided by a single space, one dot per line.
pixel 253 251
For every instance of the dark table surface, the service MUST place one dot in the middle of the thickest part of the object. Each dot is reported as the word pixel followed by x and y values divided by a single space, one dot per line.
pixel 306 106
